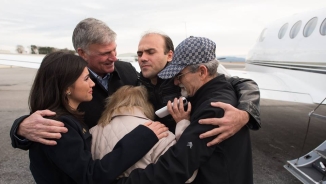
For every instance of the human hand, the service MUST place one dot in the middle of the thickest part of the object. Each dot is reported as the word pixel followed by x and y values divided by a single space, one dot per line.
pixel 177 110
pixel 232 121
pixel 38 129
pixel 159 129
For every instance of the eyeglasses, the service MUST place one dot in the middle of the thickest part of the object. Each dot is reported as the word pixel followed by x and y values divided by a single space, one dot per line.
pixel 180 75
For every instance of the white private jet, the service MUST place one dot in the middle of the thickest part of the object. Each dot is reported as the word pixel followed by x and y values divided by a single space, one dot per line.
pixel 288 62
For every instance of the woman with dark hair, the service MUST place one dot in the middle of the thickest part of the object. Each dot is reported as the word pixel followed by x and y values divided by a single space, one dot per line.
pixel 61 84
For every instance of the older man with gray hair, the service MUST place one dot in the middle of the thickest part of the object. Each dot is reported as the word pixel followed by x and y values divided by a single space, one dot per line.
pixel 193 68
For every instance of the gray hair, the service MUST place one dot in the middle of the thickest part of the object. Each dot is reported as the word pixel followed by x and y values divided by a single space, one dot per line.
pixel 91 31
pixel 211 67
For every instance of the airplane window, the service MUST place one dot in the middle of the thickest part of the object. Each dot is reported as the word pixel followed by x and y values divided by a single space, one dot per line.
pixel 323 28
pixel 263 35
pixel 295 29
pixel 282 31
pixel 310 27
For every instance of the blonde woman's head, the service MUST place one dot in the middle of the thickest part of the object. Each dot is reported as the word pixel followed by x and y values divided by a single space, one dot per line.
pixel 125 98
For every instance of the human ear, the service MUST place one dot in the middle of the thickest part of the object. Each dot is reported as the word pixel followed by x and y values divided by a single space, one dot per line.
pixel 170 55
pixel 203 71
pixel 82 53
pixel 68 91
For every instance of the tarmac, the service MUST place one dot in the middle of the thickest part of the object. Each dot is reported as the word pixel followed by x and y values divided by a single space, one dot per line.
pixel 284 125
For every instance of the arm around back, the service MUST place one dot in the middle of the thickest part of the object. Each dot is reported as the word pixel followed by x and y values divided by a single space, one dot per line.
pixel 71 158
pixel 248 99
pixel 17 141
pixel 35 128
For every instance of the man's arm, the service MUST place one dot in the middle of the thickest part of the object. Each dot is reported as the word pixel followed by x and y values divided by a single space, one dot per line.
pixel 35 128
pixel 246 113
pixel 248 95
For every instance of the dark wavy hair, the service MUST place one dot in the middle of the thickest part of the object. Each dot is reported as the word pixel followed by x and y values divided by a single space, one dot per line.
pixel 57 72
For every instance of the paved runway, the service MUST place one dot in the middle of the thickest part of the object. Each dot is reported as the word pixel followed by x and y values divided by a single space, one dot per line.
pixel 280 138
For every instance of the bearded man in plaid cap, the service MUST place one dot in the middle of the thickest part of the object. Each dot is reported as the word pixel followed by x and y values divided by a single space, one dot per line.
pixel 194 69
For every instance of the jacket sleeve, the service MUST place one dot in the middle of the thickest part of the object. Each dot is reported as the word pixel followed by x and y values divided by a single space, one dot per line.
pixel 16 140
pixel 180 128
pixel 248 99
pixel 165 143
pixel 71 157
pixel 162 146
pixel 178 163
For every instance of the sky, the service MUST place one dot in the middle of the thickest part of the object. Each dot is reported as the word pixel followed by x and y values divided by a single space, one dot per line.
pixel 234 25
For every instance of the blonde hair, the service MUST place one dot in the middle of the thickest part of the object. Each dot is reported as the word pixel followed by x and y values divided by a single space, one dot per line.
pixel 125 98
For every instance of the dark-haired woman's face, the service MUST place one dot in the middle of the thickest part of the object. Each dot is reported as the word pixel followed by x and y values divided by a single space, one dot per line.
pixel 81 90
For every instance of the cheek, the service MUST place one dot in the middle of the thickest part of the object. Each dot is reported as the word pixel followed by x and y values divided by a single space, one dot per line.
pixel 95 60
pixel 188 86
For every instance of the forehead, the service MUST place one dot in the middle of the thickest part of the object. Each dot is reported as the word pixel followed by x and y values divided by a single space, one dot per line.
pixel 104 47
pixel 85 71
pixel 151 41
pixel 184 70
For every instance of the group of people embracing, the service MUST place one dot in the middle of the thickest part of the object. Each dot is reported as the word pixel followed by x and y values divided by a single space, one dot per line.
pixel 92 116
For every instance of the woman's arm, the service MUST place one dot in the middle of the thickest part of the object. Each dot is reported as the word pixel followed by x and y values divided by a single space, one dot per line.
pixel 70 153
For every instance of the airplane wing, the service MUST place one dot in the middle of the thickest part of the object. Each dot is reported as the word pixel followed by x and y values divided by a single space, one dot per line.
pixel 34 60
pixel 23 60
pixel 280 85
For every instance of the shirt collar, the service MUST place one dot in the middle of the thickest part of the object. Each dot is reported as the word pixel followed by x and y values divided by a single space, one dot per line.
pixel 97 76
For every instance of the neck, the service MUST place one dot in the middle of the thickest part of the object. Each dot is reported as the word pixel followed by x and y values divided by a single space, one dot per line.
pixel 154 80
pixel 72 105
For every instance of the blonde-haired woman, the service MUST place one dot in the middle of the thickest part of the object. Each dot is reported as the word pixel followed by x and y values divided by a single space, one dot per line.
pixel 125 110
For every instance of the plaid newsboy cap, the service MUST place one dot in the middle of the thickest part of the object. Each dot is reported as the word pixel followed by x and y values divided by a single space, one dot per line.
pixel 191 51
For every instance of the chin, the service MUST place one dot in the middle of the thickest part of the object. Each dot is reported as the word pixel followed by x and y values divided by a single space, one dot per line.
pixel 89 99
pixel 109 69
pixel 184 93
pixel 147 74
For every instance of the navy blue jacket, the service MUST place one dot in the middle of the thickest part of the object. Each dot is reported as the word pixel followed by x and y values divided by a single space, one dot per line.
pixel 70 161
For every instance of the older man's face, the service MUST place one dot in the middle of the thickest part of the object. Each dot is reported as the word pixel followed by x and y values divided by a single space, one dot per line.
pixel 188 82
pixel 101 57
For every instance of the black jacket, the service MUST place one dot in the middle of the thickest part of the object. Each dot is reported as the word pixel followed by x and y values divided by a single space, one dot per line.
pixel 228 162
pixel 70 161
pixel 246 90
pixel 159 95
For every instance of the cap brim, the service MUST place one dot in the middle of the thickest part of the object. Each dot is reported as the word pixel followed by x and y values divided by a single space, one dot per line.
pixel 170 71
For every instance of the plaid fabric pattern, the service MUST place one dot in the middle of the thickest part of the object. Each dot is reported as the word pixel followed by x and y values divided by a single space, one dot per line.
pixel 193 50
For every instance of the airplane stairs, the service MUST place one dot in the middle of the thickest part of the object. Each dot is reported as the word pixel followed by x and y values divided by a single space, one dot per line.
pixel 310 168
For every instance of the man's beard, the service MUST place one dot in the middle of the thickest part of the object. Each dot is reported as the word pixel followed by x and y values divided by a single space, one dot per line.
pixel 184 92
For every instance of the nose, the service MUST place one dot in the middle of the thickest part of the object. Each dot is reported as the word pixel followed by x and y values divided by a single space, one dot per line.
pixel 113 56
pixel 176 81
pixel 92 84
pixel 142 58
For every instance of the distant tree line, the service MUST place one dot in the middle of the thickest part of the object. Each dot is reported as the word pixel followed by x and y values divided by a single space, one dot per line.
pixel 41 50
